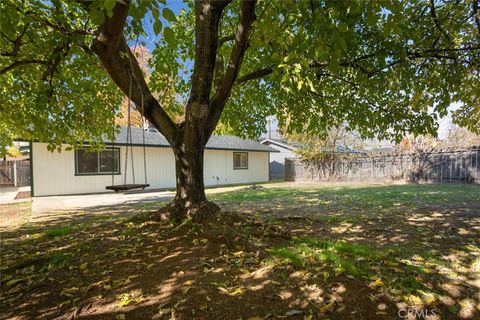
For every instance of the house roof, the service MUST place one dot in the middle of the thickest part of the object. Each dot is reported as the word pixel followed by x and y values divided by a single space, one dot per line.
pixel 153 138
pixel 279 142
pixel 382 150
pixel 345 149
pixel 285 144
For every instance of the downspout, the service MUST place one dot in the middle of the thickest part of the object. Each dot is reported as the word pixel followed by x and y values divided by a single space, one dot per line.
pixel 31 169
pixel 268 167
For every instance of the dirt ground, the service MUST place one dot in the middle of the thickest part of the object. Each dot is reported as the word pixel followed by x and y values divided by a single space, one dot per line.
pixel 14 214
pixel 318 252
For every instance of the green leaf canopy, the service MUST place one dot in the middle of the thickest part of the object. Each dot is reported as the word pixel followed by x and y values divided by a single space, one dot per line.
pixel 383 67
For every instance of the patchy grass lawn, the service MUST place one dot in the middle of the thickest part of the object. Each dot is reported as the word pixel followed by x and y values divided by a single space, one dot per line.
pixel 330 252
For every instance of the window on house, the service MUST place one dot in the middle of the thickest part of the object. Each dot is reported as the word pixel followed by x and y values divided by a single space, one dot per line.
pixel 240 160
pixel 97 162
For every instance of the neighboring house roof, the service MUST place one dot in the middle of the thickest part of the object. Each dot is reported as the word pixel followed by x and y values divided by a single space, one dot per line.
pixel 215 142
pixel 382 150
pixel 24 150
pixel 344 149
pixel 283 143
pixel 279 142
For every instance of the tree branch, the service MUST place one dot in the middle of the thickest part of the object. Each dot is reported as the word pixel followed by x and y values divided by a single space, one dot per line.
pixel 263 72
pixel 225 39
pixel 17 43
pixel 428 53
pixel 476 15
pixel 122 66
pixel 21 63
pixel 247 16
pixel 436 21
pixel 257 74
pixel 207 20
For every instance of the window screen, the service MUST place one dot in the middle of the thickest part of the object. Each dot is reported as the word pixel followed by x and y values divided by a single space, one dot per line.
pixel 109 161
pixel 97 162
pixel 240 160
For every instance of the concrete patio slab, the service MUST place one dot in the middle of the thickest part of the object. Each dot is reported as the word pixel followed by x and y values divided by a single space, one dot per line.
pixel 77 202
pixel 8 194
pixel 50 204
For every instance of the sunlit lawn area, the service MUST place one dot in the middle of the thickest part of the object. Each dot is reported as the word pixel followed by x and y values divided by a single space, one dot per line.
pixel 324 252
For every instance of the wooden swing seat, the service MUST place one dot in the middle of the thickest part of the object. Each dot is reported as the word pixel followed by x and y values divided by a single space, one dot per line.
pixel 126 187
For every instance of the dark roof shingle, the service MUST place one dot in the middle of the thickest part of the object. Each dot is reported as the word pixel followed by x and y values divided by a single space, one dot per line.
pixel 215 142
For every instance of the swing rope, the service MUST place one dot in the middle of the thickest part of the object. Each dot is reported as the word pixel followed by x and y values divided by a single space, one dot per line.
pixel 113 151
pixel 128 131
pixel 129 144
pixel 143 143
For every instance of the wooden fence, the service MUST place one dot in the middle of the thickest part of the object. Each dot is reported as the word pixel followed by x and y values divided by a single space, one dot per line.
pixel 446 166
pixel 15 173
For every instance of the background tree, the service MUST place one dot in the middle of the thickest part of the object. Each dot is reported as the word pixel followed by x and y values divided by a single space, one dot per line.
pixel 460 138
pixel 386 68
pixel 320 152
pixel 13 152
pixel 418 144
pixel 457 138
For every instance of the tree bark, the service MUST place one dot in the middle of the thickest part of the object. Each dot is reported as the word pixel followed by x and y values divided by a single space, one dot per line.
pixel 190 199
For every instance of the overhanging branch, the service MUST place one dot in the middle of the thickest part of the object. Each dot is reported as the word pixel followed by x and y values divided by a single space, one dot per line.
pixel 257 74
pixel 22 63
pixel 122 66
pixel 442 53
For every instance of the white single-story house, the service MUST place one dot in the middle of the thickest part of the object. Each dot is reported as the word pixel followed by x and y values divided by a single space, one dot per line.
pixel 228 160
pixel 277 160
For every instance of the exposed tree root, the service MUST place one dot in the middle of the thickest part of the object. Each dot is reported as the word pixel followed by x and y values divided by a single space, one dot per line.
pixel 205 212
pixel 202 213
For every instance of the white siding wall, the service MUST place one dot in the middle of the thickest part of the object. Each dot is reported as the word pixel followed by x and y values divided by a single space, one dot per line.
pixel 54 173
pixel 280 156
pixel 277 160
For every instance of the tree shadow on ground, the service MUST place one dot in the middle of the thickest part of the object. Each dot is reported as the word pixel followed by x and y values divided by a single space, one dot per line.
pixel 98 265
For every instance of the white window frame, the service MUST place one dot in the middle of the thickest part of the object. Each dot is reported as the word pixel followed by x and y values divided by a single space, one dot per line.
pixel 98 172
pixel 240 154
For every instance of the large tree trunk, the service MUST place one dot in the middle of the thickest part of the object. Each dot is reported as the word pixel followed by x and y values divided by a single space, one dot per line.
pixel 190 200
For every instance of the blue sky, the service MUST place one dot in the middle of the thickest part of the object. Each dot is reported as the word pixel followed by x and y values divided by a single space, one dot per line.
pixel 176 6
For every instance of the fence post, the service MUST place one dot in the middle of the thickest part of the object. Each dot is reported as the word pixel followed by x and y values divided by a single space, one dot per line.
pixel 15 173
pixel 371 169
pixel 451 168
pixel 441 167
pixel 477 166
pixel 429 169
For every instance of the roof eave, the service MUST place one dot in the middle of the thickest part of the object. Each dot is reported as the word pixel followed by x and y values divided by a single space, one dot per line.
pixel 279 144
